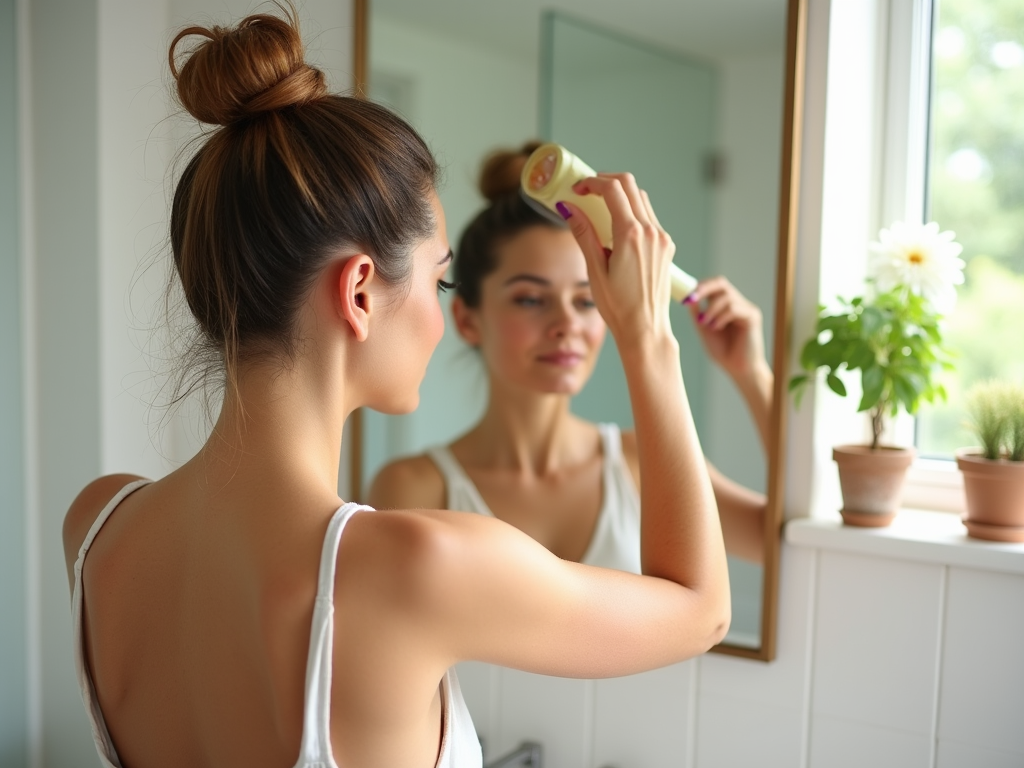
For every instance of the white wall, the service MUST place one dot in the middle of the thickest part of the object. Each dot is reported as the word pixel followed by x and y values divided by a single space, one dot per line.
pixel 94 266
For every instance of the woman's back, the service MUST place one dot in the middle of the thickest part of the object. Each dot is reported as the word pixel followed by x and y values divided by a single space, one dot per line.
pixel 197 613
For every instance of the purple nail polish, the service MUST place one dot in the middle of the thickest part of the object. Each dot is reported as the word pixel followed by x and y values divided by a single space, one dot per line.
pixel 700 318
pixel 690 299
pixel 563 210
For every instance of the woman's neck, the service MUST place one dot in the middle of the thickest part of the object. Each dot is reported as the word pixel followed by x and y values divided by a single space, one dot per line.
pixel 283 421
pixel 527 432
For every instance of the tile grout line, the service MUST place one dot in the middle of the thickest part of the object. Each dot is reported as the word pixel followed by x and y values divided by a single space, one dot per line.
pixel 589 716
pixel 691 715
pixel 940 649
pixel 812 604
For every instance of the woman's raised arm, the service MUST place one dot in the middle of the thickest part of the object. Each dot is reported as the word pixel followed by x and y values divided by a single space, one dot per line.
pixel 486 591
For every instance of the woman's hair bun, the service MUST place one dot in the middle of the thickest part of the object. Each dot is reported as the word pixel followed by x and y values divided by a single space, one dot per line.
pixel 502 169
pixel 239 72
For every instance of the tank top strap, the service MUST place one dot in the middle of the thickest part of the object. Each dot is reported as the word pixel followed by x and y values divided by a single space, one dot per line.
pixel 450 468
pixel 461 492
pixel 316 724
pixel 100 734
pixel 615 462
pixel 611 443
pixel 102 518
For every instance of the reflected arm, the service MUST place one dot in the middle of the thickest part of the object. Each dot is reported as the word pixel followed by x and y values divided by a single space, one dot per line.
pixel 742 514
pixel 756 389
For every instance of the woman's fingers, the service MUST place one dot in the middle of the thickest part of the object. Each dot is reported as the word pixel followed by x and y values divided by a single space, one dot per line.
pixel 632 291
pixel 715 313
pixel 620 205
pixel 650 208
pixel 633 194
pixel 722 304
pixel 708 287
pixel 582 229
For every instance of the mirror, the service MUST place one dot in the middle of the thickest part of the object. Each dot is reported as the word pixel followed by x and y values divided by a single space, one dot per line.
pixel 699 99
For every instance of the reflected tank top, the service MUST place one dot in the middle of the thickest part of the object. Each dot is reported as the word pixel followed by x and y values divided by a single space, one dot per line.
pixel 615 542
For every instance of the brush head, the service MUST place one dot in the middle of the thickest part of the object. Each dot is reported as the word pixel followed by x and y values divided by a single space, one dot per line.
pixel 548 177
pixel 540 208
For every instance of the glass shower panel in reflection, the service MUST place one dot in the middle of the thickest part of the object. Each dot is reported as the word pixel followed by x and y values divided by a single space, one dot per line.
pixel 624 105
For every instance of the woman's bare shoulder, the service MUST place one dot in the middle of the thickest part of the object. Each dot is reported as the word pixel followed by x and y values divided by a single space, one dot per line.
pixel 413 482
pixel 86 508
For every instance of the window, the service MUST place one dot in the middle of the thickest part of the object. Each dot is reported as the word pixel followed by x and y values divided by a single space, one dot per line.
pixel 975 186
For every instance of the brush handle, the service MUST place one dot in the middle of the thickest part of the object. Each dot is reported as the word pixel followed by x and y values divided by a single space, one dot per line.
pixel 548 177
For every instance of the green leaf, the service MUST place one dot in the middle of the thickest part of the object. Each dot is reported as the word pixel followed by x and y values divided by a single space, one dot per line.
pixel 861 355
pixel 809 355
pixel 836 384
pixel 872 381
pixel 798 381
pixel 833 323
pixel 906 393
pixel 872 320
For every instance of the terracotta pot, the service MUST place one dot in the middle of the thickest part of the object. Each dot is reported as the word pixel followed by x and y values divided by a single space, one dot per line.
pixel 995 496
pixel 872 482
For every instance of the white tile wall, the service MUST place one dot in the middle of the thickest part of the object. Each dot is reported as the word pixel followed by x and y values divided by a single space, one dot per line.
pixel 644 721
pixel 840 743
pixel 877 641
pixel 734 732
pixel 952 754
pixel 881 662
pixel 983 662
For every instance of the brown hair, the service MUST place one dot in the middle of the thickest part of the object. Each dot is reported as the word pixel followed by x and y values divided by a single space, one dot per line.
pixel 506 215
pixel 293 175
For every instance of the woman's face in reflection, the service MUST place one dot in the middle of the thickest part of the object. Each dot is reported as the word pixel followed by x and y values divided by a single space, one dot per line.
pixel 537 327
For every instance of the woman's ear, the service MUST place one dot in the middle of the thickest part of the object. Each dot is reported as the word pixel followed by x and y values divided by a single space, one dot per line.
pixel 467 322
pixel 354 297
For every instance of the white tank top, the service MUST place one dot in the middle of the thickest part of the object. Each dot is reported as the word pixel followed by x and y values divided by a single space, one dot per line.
pixel 460 747
pixel 615 542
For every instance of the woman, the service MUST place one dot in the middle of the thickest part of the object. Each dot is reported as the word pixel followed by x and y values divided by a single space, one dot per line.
pixel 237 612
pixel 523 301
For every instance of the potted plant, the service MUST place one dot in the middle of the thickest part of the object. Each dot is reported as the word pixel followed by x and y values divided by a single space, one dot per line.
pixel 892 335
pixel 994 473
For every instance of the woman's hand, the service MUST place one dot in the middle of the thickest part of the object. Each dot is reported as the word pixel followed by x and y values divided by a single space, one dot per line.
pixel 730 327
pixel 630 284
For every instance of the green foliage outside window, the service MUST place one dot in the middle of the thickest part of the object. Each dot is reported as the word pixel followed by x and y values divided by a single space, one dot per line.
pixel 976 188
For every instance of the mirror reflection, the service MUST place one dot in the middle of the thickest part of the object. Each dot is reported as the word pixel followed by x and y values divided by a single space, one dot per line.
pixel 524 411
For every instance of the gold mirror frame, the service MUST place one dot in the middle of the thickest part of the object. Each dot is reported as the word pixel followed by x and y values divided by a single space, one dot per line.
pixel 789 185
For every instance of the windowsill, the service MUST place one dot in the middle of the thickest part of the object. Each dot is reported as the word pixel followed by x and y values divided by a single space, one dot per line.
pixel 929 537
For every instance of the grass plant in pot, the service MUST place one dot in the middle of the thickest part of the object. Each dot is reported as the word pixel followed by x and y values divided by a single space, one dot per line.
pixel 994 473
pixel 892 335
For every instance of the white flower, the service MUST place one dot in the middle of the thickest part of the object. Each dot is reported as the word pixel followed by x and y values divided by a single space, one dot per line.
pixel 922 258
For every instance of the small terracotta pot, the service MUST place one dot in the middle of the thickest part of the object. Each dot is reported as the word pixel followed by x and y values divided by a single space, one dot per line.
pixel 995 496
pixel 872 482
